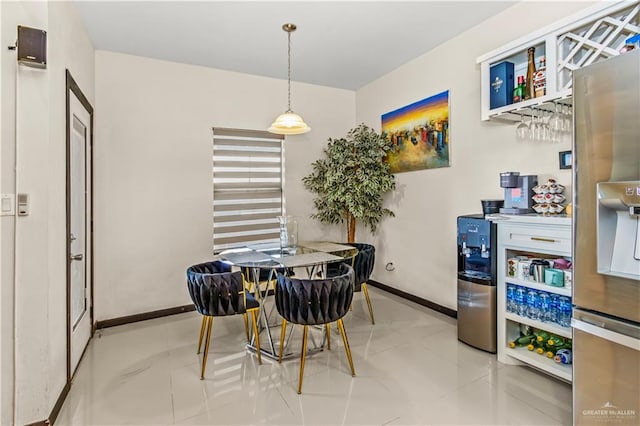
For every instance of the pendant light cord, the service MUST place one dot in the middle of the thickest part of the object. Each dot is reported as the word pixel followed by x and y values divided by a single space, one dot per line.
pixel 289 70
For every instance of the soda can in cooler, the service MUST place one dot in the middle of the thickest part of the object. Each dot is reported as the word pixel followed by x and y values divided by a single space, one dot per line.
pixel 563 356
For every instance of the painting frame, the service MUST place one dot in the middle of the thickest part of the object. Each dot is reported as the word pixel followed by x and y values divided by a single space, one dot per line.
pixel 420 134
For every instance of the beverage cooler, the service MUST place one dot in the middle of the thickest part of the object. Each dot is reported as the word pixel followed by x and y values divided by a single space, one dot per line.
pixel 477 282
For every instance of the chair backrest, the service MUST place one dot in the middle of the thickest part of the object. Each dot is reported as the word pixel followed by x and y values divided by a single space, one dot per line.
pixel 363 263
pixel 215 290
pixel 315 301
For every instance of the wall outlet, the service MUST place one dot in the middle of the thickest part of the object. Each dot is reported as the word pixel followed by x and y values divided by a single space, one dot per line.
pixel 7 204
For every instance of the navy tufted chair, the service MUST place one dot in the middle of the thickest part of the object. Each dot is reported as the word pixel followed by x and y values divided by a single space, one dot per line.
pixel 315 302
pixel 363 267
pixel 215 292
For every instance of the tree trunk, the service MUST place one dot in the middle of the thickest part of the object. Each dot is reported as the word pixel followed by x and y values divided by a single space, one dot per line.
pixel 351 228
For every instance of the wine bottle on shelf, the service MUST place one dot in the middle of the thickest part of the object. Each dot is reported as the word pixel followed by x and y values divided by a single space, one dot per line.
pixel 540 79
pixel 542 336
pixel 522 341
pixel 531 70
pixel 552 351
pixel 555 341
pixel 518 91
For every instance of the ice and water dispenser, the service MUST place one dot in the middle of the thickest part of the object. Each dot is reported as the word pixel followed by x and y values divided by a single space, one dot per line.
pixel 618 230
pixel 477 282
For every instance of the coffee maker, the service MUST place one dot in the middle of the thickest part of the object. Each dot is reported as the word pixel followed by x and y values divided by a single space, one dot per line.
pixel 518 191
pixel 477 282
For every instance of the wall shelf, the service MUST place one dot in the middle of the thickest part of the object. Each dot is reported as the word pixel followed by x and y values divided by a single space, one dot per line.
pixel 541 362
pixel 546 326
pixel 562 291
pixel 590 36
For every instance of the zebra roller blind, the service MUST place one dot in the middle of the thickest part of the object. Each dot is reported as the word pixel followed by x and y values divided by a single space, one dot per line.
pixel 247 187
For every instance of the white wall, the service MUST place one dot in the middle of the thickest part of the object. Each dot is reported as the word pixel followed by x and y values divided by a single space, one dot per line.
pixel 421 239
pixel 69 48
pixel 34 123
pixel 153 177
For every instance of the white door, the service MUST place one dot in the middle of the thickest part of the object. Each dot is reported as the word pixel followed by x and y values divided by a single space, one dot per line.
pixel 79 122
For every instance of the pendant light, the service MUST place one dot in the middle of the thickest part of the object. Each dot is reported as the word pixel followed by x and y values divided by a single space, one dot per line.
pixel 289 123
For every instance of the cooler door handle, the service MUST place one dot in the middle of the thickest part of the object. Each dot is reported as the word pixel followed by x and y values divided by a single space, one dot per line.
pixel 609 335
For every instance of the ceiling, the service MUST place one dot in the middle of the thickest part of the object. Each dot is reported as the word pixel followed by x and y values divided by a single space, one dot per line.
pixel 341 44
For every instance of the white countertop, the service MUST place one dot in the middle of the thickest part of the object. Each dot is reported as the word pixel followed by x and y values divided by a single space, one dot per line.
pixel 532 218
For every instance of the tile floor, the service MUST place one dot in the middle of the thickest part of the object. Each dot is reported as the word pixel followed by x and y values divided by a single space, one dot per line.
pixel 410 370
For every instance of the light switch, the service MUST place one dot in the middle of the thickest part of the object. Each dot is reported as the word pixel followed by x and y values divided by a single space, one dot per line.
pixel 23 204
pixel 7 204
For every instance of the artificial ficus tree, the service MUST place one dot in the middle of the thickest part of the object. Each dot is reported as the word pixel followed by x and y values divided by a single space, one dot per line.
pixel 351 180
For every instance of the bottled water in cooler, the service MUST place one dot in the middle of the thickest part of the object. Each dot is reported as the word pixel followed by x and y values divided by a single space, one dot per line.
pixel 564 311
pixel 554 308
pixel 511 298
pixel 521 306
pixel 533 304
pixel 545 306
pixel 539 305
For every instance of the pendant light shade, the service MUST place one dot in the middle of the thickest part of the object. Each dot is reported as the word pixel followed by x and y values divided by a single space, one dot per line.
pixel 289 123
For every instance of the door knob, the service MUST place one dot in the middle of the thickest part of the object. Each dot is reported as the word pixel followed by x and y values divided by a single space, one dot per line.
pixel 76 256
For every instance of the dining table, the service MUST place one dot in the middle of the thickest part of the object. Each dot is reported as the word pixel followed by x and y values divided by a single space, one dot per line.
pixel 307 259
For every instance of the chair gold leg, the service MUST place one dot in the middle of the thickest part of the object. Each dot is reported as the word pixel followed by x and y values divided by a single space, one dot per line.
pixel 346 346
pixel 254 316
pixel 246 327
pixel 282 333
pixel 206 346
pixel 328 327
pixel 202 327
pixel 365 290
pixel 303 355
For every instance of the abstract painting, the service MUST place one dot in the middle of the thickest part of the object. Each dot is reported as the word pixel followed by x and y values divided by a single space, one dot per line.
pixel 419 133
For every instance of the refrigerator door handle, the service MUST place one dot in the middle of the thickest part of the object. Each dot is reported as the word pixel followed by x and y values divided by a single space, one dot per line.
pixel 609 335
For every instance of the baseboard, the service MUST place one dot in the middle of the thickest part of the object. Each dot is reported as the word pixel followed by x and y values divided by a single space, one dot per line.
pixel 56 408
pixel 144 316
pixel 419 300
pixel 58 405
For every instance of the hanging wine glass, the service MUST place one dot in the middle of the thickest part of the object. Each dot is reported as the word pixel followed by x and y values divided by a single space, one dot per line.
pixel 567 122
pixel 556 123
pixel 522 130
pixel 534 126
pixel 548 133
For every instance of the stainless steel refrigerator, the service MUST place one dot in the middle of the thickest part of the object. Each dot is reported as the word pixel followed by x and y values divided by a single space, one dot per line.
pixel 606 242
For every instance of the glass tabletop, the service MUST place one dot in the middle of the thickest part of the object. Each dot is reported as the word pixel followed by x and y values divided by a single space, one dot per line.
pixel 271 255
